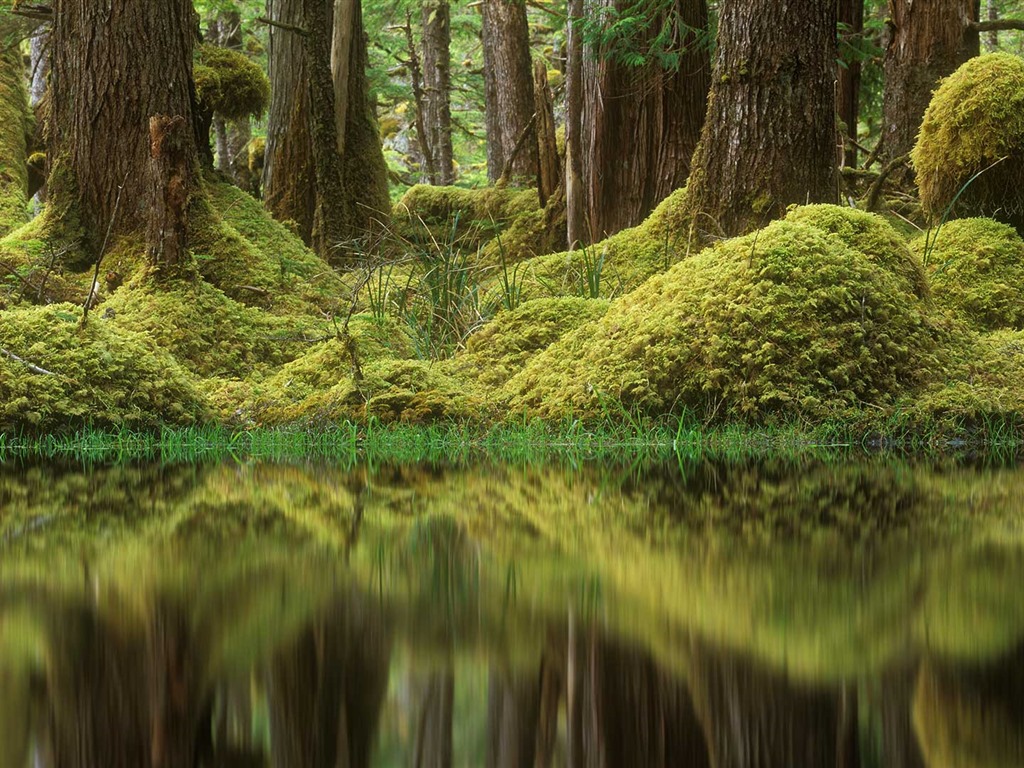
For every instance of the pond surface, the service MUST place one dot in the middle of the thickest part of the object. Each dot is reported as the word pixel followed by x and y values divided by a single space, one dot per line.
pixel 771 613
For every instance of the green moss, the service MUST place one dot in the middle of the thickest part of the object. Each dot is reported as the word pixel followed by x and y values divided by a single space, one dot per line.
pixel 976 268
pixel 229 83
pixel 975 125
pixel 14 132
pixel 103 375
pixel 786 322
pixel 439 205
pixel 502 347
pixel 872 236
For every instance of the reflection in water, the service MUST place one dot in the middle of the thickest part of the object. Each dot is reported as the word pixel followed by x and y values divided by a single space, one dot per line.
pixel 855 615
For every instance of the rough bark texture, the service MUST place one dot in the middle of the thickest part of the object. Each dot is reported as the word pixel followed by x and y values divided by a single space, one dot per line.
pixel 288 188
pixel 508 76
pixel 437 88
pixel 114 65
pixel 575 191
pixel 171 174
pixel 548 172
pixel 640 125
pixel 851 16
pixel 927 41
pixel 769 137
pixel 330 225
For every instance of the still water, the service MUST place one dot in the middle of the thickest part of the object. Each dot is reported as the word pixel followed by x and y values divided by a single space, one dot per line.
pixel 847 613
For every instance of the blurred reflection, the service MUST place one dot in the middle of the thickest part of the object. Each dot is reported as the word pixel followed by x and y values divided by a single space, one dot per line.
pixel 718 615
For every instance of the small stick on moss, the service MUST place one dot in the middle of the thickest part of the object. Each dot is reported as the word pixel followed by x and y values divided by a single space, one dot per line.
pixel 31 366
pixel 93 290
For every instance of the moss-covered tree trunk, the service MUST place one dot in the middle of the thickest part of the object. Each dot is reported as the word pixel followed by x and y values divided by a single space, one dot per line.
pixel 927 41
pixel 14 127
pixel 437 88
pixel 114 66
pixel 640 125
pixel 289 192
pixel 508 76
pixel 770 138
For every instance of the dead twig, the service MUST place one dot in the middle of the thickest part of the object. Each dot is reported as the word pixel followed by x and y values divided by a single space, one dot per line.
pixel 31 366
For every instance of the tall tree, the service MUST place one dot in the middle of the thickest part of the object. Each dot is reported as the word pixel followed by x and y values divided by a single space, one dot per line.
pixel 927 41
pixel 769 137
pixel 508 89
pixel 851 20
pixel 437 88
pixel 114 67
pixel 644 98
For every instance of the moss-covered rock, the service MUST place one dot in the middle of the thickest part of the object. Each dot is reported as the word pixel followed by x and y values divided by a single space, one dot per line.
pixel 976 268
pixel 502 347
pixel 229 83
pixel 786 322
pixel 103 375
pixel 871 235
pixel 970 151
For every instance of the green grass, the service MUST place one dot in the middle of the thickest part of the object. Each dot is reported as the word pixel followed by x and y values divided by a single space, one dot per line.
pixel 619 437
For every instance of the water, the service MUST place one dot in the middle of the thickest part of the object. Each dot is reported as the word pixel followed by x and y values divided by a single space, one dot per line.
pixel 854 613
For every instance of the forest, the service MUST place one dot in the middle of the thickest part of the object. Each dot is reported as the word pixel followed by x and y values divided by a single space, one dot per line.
pixel 304 212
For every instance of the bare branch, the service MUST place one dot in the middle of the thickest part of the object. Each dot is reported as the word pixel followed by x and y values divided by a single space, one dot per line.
pixel 999 25
pixel 282 25
pixel 31 366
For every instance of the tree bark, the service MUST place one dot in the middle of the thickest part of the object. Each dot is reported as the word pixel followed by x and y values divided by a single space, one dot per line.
pixel 113 68
pixel 513 711
pixel 640 125
pixel 437 88
pixel 575 191
pixel 233 136
pixel 172 179
pixel 508 76
pixel 769 137
pixel 927 41
pixel 851 15
pixel 288 187
pixel 548 173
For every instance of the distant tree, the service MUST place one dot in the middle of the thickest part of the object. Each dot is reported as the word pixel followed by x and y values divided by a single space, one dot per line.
pixel 508 85
pixel 233 136
pixel 851 27
pixel 437 90
pixel 770 138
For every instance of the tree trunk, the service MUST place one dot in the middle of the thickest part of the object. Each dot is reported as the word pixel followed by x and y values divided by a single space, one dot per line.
pixel 927 41
pixel 437 89
pixel 513 711
pixel 113 68
pixel 851 16
pixel 769 137
pixel 640 125
pixel 233 136
pixel 548 173
pixel 172 178
pixel 575 191
pixel 288 187
pixel 508 76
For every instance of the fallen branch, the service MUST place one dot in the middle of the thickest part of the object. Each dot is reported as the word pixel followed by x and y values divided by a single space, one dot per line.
pixel 31 366
pixel 876 187
pixel 282 25
pixel 998 25
pixel 507 170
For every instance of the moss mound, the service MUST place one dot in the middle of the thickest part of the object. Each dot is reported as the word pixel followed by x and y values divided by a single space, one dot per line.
pixel 785 322
pixel 869 234
pixel 976 267
pixel 228 83
pixel 103 375
pixel 502 347
pixel 975 125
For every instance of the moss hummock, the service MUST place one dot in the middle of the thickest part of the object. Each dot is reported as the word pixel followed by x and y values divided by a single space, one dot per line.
pixel 102 376
pixel 229 83
pixel 788 322
pixel 975 125
pixel 976 267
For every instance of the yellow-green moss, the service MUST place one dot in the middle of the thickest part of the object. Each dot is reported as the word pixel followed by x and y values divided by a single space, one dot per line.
pixel 14 133
pixel 976 268
pixel 785 322
pixel 502 347
pixel 975 124
pixel 229 83
pixel 872 236
pixel 104 375
pixel 439 205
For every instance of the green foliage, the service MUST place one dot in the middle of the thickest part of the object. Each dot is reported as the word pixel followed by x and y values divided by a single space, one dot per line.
pixel 641 33
pixel 976 268
pixel 969 156
pixel 229 84
pixel 102 375
pixel 786 322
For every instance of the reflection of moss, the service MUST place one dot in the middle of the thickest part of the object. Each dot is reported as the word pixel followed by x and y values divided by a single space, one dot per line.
pixel 784 322
pixel 976 268
pixel 975 125
pixel 104 375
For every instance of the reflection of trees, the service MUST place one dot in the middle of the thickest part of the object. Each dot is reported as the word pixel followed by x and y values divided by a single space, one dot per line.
pixel 326 689
pixel 433 748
